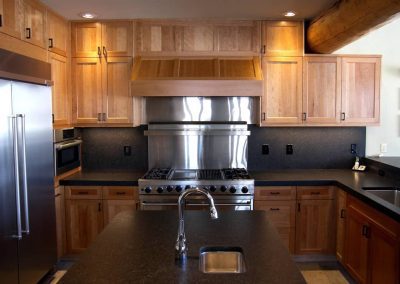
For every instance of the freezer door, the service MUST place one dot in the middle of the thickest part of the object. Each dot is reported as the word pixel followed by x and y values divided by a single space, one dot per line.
pixel 37 250
pixel 8 215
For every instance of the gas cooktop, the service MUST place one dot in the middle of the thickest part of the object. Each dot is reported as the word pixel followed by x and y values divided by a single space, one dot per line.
pixel 202 174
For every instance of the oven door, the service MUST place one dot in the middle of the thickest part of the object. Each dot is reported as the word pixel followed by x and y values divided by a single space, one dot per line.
pixel 157 202
pixel 67 156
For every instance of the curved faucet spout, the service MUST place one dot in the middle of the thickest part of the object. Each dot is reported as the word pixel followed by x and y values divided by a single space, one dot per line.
pixel 180 245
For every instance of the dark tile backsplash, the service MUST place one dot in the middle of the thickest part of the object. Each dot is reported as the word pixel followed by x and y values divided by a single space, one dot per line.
pixel 103 148
pixel 313 147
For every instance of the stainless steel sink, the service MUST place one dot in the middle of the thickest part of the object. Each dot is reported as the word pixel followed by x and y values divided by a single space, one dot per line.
pixel 389 194
pixel 222 260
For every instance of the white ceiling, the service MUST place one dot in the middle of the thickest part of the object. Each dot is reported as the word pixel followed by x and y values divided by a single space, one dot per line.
pixel 180 9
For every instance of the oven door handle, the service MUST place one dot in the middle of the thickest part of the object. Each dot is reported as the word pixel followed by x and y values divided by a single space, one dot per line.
pixel 67 145
pixel 158 204
pixel 220 204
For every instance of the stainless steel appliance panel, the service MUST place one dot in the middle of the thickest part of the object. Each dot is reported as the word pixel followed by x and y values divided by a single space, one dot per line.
pixel 181 109
pixel 8 210
pixel 37 250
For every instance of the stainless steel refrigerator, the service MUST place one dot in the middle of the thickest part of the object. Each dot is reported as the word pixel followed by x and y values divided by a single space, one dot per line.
pixel 27 213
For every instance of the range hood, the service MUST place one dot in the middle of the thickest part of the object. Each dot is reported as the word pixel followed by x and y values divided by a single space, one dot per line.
pixel 197 76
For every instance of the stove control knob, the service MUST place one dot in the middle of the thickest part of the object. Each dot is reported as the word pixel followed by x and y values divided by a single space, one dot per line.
pixel 245 189
pixel 178 188
pixel 213 188
pixel 170 188
pixel 223 188
pixel 187 187
pixel 147 189
pixel 160 189
pixel 232 189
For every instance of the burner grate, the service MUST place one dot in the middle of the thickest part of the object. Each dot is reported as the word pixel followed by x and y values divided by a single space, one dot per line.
pixel 235 173
pixel 209 174
pixel 158 173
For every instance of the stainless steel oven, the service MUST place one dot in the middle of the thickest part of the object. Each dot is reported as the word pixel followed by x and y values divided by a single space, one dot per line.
pixel 67 150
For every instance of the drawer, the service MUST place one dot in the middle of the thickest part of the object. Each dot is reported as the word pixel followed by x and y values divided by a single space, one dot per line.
pixel 315 192
pixel 83 192
pixel 120 192
pixel 280 213
pixel 275 193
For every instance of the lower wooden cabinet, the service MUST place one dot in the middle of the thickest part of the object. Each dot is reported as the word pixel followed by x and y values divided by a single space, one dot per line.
pixel 341 197
pixel 90 208
pixel 372 247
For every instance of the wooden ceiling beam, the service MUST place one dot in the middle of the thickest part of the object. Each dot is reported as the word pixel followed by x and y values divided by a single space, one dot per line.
pixel 346 21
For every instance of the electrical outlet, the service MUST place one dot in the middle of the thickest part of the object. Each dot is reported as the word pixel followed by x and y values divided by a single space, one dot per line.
pixel 265 149
pixel 289 149
pixel 127 150
pixel 353 149
pixel 383 148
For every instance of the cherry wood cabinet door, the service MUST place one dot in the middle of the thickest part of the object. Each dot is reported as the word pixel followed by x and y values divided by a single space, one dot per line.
pixel 117 38
pixel 84 220
pixel 34 28
pixel 57 34
pixel 9 13
pixel 114 207
pixel 360 90
pixel 321 89
pixel 282 99
pixel 86 40
pixel 60 98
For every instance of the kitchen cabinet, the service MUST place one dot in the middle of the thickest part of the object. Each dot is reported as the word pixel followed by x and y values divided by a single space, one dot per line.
pixel 105 39
pixel 341 197
pixel 57 33
pixel 173 38
pixel 90 208
pixel 60 221
pixel 321 89
pixel 372 248
pixel 360 90
pixel 9 17
pixel 315 212
pixel 280 204
pixel 61 100
pixel 283 38
pixel 101 89
pixel 281 102
pixel 34 26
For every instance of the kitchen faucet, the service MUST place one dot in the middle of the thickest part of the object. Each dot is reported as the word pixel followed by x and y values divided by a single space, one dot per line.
pixel 180 246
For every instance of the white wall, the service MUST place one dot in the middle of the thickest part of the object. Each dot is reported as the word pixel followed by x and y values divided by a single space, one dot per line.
pixel 385 41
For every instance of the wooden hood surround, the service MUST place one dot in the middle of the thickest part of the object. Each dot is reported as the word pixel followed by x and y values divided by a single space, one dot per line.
pixel 197 76
pixel 346 21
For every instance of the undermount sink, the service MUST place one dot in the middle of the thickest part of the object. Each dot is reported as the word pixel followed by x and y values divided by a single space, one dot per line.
pixel 222 260
pixel 389 194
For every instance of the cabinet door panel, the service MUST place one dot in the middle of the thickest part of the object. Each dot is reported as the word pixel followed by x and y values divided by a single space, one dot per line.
pixel 34 15
pixel 87 89
pixel 61 98
pixel 117 101
pixel 114 207
pixel 283 38
pixel 282 99
pixel 198 38
pixel 86 39
pixel 321 89
pixel 117 38
pixel 10 14
pixel 360 90
pixel 84 220
pixel 57 33
pixel 314 230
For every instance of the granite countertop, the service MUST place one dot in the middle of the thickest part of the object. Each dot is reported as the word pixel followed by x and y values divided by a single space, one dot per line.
pixel 138 247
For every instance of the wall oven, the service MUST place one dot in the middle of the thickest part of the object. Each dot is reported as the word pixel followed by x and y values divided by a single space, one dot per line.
pixel 67 150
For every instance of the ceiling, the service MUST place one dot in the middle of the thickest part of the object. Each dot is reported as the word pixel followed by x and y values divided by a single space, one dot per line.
pixel 181 9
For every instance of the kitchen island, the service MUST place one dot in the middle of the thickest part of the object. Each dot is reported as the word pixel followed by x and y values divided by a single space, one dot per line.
pixel 138 247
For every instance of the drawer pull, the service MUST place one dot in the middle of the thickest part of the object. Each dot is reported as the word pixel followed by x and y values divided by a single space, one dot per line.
pixel 274 193
pixel 342 213
pixel 120 193
pixel 83 192
pixel 274 209
pixel 315 193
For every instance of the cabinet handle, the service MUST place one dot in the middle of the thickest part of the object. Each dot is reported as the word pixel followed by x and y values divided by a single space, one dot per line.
pixel 366 231
pixel 99 51
pixel 105 51
pixel 304 116
pixel 50 43
pixel 315 193
pixel 298 207
pixel 103 117
pixel 263 49
pixel 274 193
pixel 1 20
pixel 120 193
pixel 263 116
pixel 343 213
pixel 57 195
pixel 274 209
pixel 52 118
pixel 28 33
pixel 99 207
pixel 343 116
pixel 98 116
pixel 83 192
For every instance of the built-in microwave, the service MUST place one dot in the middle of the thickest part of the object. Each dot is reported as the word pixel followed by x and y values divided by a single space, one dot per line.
pixel 67 150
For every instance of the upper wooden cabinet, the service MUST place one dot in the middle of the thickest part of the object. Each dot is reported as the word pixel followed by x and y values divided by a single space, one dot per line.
pixel 282 98
pixel 321 89
pixel 34 26
pixel 283 38
pixel 171 38
pixel 57 33
pixel 104 39
pixel 360 89
pixel 10 15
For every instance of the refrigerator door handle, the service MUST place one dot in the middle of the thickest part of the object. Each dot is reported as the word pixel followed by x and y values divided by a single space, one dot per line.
pixel 24 180
pixel 16 170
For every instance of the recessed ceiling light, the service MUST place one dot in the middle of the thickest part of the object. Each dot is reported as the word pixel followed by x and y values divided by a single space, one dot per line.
pixel 87 15
pixel 289 14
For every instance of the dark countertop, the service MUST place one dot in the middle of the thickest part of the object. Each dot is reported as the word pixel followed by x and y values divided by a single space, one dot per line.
pixel 138 247
pixel 103 177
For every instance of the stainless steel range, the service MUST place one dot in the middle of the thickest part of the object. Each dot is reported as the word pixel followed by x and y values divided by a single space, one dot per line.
pixel 231 188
